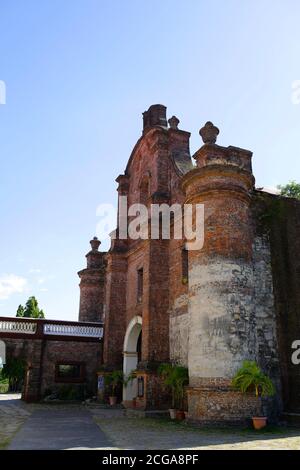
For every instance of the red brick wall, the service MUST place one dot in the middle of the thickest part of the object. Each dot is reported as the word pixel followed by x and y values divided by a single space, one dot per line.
pixel 91 298
pixel 217 406
pixel 115 318
pixel 92 285
pixel 156 163
pixel 153 161
pixel 70 351
pixel 41 356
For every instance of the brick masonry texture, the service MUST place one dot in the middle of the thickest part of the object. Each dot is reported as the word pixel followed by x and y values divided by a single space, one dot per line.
pixel 279 218
pixel 67 352
pixel 41 357
pixel 91 285
pixel 209 405
pixel 236 298
pixel 230 306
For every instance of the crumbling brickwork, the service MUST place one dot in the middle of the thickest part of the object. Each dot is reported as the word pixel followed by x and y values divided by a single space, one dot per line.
pixel 234 298
pixel 279 219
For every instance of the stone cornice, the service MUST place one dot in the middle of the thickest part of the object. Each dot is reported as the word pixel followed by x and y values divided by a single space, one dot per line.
pixel 217 171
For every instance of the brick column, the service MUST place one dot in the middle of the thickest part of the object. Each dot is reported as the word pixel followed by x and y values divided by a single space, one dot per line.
pixel 115 320
pixel 116 282
pixel 91 285
pixel 221 285
pixel 32 385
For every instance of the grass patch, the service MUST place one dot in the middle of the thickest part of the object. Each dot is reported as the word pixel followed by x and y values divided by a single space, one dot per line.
pixel 166 423
pixel 163 433
pixel 4 385
pixel 5 440
pixel 4 443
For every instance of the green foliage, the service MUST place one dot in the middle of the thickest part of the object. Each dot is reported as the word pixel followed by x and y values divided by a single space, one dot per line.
pixel 14 371
pixel 130 378
pixel 292 189
pixel 4 384
pixel 42 314
pixel 31 309
pixel 20 311
pixel 273 212
pixel 250 377
pixel 114 379
pixel 175 377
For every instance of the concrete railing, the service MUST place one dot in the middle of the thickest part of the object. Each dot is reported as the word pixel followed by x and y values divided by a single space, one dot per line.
pixel 18 327
pixel 73 330
pixel 51 329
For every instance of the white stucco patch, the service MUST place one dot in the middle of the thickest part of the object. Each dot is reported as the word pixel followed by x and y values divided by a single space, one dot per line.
pixel 179 338
pixel 221 309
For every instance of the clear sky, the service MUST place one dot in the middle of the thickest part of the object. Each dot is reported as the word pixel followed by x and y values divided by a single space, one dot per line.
pixel 78 75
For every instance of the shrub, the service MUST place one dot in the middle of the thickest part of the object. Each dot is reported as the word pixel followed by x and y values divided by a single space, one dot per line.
pixel 14 371
pixel 175 377
pixel 114 379
pixel 250 377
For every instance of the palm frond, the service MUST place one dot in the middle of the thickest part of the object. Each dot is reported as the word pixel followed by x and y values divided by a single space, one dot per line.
pixel 250 376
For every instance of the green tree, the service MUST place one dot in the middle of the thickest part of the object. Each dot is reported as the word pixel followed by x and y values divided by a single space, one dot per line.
pixel 42 315
pixel 20 311
pixel 292 189
pixel 14 371
pixel 31 309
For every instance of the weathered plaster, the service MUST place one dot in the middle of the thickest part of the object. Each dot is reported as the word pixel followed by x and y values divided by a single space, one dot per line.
pixel 221 308
pixel 179 338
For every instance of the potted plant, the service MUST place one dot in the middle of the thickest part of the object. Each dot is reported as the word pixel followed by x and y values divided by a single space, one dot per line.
pixel 251 378
pixel 175 377
pixel 113 380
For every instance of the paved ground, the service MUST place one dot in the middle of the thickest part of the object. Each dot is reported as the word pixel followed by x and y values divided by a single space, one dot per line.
pixel 146 433
pixel 50 429
pixel 13 413
pixel 78 427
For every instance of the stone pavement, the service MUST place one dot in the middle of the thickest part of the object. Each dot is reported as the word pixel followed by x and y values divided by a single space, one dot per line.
pixel 13 413
pixel 49 426
pixel 67 428
pixel 146 433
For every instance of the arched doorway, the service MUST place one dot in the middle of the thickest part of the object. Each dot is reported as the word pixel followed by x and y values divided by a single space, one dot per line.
pixel 131 356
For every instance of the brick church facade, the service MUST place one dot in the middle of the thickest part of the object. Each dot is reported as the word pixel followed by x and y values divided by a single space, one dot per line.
pixel 236 298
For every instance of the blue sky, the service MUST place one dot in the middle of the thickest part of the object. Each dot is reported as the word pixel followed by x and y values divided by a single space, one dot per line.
pixel 78 75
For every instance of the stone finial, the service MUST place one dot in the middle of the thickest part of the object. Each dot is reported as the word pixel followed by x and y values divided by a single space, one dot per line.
pixel 95 243
pixel 209 133
pixel 173 122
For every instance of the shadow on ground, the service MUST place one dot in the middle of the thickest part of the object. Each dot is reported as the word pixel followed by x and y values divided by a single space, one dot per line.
pixel 51 427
